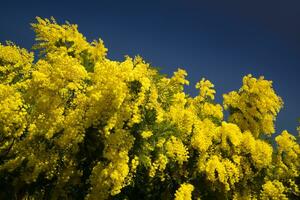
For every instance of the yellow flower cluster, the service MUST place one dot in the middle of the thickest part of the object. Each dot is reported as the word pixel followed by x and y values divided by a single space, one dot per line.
pixel 77 125
pixel 288 157
pixel 224 171
pixel 53 37
pixel 13 112
pixel 111 178
pixel 206 90
pixel 204 132
pixel 261 154
pixel 176 150
pixel 231 135
pixel 255 106
pixel 15 63
pixel 184 192
pixel 203 105
pixel 273 190
pixel 146 134
pixel 159 165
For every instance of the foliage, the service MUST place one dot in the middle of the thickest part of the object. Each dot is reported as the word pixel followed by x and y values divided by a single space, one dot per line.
pixel 76 125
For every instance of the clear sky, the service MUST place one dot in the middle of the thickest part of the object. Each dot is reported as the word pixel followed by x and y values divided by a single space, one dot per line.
pixel 219 40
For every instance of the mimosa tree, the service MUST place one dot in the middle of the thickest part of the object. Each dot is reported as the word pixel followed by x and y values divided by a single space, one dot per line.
pixel 77 125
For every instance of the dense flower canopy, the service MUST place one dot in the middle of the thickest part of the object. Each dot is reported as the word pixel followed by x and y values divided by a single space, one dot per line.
pixel 77 125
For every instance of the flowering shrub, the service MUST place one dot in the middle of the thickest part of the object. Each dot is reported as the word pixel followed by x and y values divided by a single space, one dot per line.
pixel 76 125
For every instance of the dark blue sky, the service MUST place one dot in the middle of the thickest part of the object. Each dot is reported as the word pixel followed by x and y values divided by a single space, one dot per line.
pixel 220 40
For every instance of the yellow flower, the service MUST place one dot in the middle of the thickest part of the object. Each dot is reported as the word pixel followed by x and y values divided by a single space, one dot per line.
pixel 254 106
pixel 230 133
pixel 204 133
pixel 184 192
pixel 261 154
pixel 146 134
pixel 15 64
pixel 206 89
pixel 176 150
pixel 273 190
pixel 134 163
pixel 159 164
